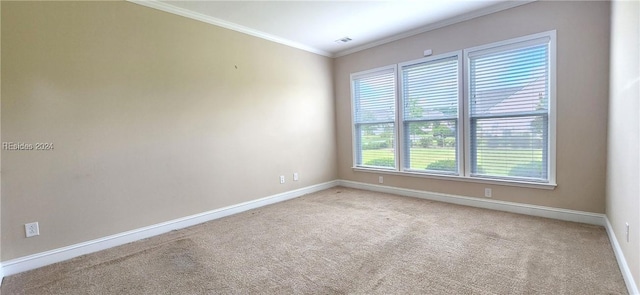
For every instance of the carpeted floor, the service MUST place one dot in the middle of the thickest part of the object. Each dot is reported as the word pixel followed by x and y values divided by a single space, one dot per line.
pixel 348 241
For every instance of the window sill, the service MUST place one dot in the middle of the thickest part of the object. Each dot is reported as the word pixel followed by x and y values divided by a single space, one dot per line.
pixel 546 186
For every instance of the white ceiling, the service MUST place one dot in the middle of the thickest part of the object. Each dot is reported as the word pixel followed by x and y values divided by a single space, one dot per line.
pixel 316 25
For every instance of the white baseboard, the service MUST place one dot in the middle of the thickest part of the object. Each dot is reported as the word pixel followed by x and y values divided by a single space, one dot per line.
pixel 622 262
pixel 30 262
pixel 526 209
pixel 1 274
pixel 26 263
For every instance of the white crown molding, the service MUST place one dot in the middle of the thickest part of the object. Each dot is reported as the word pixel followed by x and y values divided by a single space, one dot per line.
pixel 622 262
pixel 256 33
pixel 520 208
pixel 450 21
pixel 225 24
pixel 37 260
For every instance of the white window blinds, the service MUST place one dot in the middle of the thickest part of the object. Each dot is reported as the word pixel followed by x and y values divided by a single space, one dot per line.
pixel 430 95
pixel 509 111
pixel 486 112
pixel 374 99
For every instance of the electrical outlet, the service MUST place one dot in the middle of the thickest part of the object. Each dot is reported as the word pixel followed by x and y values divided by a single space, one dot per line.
pixel 31 229
pixel 487 192
pixel 281 179
pixel 295 176
pixel 627 229
pixel 380 179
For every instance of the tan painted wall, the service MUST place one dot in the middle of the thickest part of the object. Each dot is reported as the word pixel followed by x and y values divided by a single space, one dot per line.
pixel 623 171
pixel 582 91
pixel 150 118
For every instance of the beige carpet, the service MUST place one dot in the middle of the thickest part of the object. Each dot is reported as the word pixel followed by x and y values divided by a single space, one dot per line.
pixel 348 241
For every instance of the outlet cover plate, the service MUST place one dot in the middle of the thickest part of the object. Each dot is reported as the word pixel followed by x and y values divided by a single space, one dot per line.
pixel 31 229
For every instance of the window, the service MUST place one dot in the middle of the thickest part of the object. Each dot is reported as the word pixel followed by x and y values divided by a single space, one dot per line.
pixel 509 108
pixel 494 123
pixel 430 92
pixel 374 117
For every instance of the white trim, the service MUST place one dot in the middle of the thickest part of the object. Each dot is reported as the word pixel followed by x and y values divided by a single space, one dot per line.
pixel 249 31
pixel 374 72
pixel 553 123
pixel 520 208
pixel 225 24
pixel 622 262
pixel 454 20
pixel 30 262
pixel 494 181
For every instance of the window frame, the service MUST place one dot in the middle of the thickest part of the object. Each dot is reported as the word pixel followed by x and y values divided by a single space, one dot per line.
pixel 404 154
pixel 500 46
pixel 463 141
pixel 354 145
